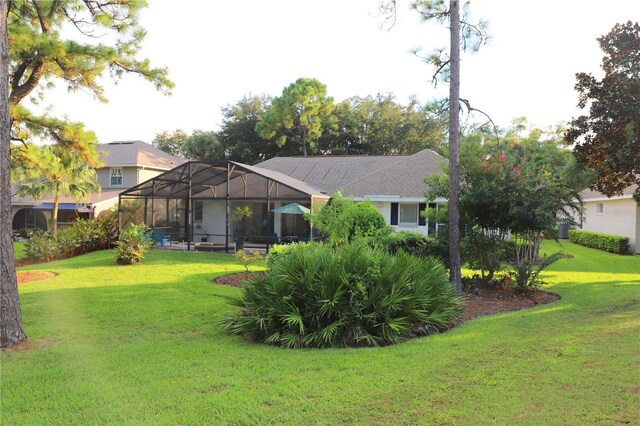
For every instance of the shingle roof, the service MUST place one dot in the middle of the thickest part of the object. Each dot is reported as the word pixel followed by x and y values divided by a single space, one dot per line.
pixel 292 182
pixel 362 176
pixel 136 153
pixel 329 173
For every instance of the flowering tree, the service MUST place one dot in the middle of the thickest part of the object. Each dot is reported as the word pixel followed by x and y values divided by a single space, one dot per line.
pixel 500 197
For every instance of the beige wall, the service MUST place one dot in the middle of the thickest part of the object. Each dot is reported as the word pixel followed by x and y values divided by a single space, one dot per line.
pixel 619 217
pixel 131 176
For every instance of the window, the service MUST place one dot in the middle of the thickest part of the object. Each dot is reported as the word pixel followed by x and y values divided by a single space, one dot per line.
pixel 197 211
pixel 409 214
pixel 116 176
pixel 600 209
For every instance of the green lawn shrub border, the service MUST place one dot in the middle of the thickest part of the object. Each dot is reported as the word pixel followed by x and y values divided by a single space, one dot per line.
pixel 611 243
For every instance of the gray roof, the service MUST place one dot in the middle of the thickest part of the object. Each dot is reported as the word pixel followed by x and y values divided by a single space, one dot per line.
pixel 136 153
pixel 286 180
pixel 362 176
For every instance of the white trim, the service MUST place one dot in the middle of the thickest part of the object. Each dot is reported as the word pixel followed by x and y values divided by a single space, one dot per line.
pixel 617 197
pixel 398 199
pixel 143 166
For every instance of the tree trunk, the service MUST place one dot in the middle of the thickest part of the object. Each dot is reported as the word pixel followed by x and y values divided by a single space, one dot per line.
pixel 454 160
pixel 11 330
pixel 304 141
pixel 54 216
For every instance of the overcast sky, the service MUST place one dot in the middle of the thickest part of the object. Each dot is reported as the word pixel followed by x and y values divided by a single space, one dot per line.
pixel 219 51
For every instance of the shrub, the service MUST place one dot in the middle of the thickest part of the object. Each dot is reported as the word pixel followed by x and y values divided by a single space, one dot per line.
pixel 485 251
pixel 247 259
pixel 527 272
pixel 611 243
pixel 351 295
pixel 41 247
pixel 134 242
pixel 412 243
pixel 69 240
pixel 280 250
pixel 342 220
pixel 26 232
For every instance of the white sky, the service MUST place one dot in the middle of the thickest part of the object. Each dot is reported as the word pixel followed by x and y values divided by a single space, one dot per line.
pixel 218 51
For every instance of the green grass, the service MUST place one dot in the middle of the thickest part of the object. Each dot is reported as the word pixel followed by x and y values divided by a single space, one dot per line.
pixel 140 345
pixel 18 250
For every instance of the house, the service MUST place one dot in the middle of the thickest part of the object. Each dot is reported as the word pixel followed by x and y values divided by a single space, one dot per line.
pixel 618 215
pixel 195 201
pixel 394 184
pixel 125 164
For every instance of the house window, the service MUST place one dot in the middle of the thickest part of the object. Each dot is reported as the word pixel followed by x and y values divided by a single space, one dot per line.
pixel 116 176
pixel 197 211
pixel 408 214
pixel 600 209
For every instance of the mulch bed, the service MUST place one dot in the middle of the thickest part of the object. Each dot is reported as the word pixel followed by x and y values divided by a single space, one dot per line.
pixel 480 302
pixel 484 301
pixel 28 276
pixel 235 280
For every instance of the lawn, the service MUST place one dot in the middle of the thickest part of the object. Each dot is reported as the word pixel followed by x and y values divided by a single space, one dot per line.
pixel 18 250
pixel 140 345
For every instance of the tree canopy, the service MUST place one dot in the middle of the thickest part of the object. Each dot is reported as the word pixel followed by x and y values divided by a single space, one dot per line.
pixel 53 42
pixel 171 142
pixel 52 170
pixel 608 139
pixel 299 115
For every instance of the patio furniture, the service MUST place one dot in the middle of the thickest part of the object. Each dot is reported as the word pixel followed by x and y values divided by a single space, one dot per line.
pixel 273 238
pixel 159 236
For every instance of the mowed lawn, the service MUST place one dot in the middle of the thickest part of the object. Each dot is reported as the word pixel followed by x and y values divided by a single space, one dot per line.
pixel 18 249
pixel 141 345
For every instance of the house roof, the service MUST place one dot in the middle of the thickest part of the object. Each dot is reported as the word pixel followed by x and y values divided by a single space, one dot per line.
pixel 136 153
pixel 589 194
pixel 362 176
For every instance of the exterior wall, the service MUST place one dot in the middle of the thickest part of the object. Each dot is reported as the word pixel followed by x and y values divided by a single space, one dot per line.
pixel 385 208
pixel 146 174
pixel 131 176
pixel 619 217
pixel 213 222
pixel 105 206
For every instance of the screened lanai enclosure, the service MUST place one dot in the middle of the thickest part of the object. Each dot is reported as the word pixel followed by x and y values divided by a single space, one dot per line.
pixel 215 205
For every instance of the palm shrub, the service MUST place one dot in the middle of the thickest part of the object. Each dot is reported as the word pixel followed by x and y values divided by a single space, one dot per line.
pixel 317 295
pixel 133 243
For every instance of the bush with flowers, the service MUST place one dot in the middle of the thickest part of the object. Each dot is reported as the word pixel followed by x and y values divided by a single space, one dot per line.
pixel 506 208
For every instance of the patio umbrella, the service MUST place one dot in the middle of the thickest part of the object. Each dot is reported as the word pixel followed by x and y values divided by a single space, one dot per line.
pixel 293 208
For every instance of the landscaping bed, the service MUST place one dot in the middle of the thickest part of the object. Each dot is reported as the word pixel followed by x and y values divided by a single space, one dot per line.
pixel 28 276
pixel 479 302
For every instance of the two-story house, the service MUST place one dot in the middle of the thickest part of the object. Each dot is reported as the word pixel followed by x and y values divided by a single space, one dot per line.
pixel 124 165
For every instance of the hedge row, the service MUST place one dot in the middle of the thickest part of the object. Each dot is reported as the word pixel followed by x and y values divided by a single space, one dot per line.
pixel 611 243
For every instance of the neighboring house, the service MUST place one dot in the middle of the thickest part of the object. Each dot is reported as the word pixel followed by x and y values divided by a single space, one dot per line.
pixel 618 215
pixel 125 164
pixel 394 184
